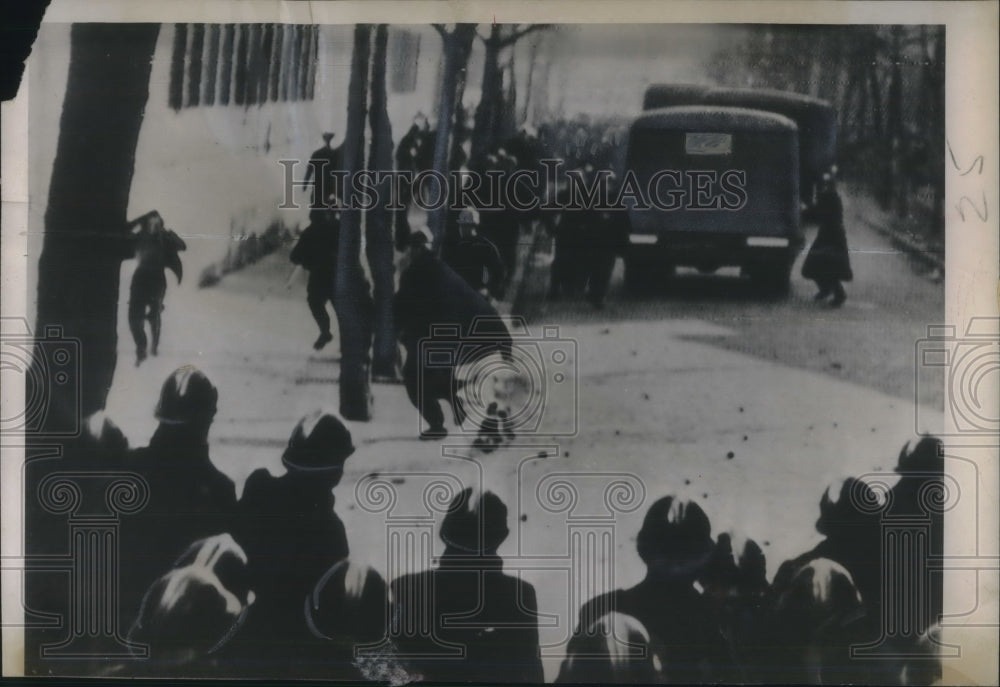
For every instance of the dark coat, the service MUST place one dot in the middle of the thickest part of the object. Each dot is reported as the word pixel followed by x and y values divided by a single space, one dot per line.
pixel 431 293
pixel 679 618
pixel 290 533
pixel 828 257
pixel 476 260
pixel 316 251
pixel 492 615
pixel 189 499
pixel 322 163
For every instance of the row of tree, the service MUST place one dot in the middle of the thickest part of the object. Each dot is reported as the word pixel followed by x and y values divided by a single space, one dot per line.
pixel 887 84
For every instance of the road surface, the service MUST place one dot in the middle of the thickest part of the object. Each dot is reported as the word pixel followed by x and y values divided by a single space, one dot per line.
pixel 748 406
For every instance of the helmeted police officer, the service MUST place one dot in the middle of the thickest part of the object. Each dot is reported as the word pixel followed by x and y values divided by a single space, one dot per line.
pixel 474 257
pixel 189 498
pixel 499 627
pixel 287 524
pixel 675 543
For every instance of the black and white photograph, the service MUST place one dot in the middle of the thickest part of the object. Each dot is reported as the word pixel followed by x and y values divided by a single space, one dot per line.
pixel 447 343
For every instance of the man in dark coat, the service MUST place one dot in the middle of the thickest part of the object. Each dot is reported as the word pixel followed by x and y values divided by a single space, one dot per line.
pixel 474 258
pixel 483 624
pixel 316 252
pixel 288 527
pixel 189 498
pixel 430 294
pixel 156 248
pixel 828 262
pixel 603 236
pixel 567 274
pixel 675 543
pixel 323 163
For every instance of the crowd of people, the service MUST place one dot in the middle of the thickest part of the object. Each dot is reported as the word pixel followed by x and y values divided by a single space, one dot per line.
pixel 264 585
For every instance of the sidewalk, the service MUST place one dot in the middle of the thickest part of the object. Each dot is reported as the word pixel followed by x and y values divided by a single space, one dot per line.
pixel 905 235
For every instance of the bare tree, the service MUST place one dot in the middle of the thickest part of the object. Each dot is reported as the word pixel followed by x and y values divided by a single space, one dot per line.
pixel 86 239
pixel 488 120
pixel 352 300
pixel 85 222
pixel 378 221
pixel 457 45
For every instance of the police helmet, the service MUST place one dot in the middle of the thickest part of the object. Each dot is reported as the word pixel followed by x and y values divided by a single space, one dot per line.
pixel 187 397
pixel 926 457
pixel 320 443
pixel 845 504
pixel 476 522
pixel 676 532
pixel 349 601
pixel 190 610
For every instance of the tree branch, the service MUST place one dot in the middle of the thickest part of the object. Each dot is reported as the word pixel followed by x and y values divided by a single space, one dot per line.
pixel 519 34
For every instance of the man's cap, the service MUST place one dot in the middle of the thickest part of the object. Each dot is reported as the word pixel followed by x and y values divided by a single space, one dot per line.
pixel 476 522
pixel 187 396
pixel 320 443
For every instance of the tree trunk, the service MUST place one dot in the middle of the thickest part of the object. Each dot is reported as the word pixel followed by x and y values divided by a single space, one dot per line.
pixel 86 239
pixel 352 298
pixel 378 230
pixel 486 112
pixel 896 177
pixel 457 46
pixel 85 222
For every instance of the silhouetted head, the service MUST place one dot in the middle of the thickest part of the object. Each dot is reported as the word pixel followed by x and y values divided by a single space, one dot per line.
pixel 476 523
pixel 675 539
pixel 189 613
pixel 350 603
pixel 615 649
pixel 187 399
pixel 327 137
pixel 846 506
pixel 925 458
pixel 318 447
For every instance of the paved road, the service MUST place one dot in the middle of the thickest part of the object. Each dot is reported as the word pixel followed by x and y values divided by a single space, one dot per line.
pixel 707 393
pixel 869 341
